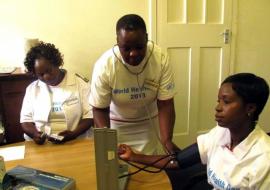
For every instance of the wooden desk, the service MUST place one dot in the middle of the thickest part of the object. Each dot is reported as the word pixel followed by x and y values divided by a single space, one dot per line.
pixel 76 159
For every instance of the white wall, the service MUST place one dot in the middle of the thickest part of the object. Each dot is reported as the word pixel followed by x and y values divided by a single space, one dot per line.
pixel 81 29
pixel 84 29
pixel 253 44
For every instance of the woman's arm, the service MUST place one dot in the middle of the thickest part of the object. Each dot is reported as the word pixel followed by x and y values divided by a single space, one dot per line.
pixel 188 156
pixel 30 129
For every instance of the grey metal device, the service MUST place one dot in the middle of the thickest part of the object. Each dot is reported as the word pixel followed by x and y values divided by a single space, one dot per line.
pixel 107 165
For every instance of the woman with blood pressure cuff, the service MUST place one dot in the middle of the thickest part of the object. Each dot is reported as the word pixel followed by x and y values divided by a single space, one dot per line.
pixel 237 151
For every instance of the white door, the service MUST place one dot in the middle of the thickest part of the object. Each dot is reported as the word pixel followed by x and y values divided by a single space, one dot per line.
pixel 193 32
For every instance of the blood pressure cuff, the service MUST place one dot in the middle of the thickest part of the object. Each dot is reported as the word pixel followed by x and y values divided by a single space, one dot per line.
pixel 188 156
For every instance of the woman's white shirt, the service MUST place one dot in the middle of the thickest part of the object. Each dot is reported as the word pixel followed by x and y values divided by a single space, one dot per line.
pixel 37 103
pixel 247 166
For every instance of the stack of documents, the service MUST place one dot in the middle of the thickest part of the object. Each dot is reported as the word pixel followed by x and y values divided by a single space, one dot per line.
pixel 12 153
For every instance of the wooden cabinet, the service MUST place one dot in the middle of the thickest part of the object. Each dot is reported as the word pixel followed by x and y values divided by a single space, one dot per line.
pixel 12 90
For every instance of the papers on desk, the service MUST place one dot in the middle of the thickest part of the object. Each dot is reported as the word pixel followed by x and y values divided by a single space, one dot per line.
pixel 12 153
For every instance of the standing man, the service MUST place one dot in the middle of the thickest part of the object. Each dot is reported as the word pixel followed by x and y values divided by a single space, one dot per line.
pixel 132 89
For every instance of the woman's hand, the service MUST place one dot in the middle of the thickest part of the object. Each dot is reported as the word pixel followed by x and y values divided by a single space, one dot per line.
pixel 68 135
pixel 125 152
pixel 39 137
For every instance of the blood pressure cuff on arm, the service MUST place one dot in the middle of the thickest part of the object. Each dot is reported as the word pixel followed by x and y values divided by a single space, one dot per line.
pixel 188 156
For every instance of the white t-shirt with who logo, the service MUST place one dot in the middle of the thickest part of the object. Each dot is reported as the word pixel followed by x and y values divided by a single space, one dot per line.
pixel 246 167
pixel 132 98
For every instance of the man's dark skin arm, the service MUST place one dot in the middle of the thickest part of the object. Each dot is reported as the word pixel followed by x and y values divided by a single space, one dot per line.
pixel 166 114
pixel 182 159
pixel 101 117
pixel 126 153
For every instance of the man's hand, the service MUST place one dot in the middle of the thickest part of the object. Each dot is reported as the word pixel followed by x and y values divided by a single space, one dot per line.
pixel 170 147
pixel 125 152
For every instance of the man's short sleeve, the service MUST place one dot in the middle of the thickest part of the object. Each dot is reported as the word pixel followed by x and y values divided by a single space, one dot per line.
pixel 100 95
pixel 167 86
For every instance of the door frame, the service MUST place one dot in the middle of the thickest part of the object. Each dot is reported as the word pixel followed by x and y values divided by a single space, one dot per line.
pixel 152 31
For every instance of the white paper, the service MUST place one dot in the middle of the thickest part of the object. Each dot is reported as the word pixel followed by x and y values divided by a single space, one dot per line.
pixel 12 153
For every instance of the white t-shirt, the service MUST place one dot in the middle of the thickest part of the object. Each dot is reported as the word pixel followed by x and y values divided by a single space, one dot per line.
pixel 246 167
pixel 132 98
pixel 57 119
pixel 37 103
